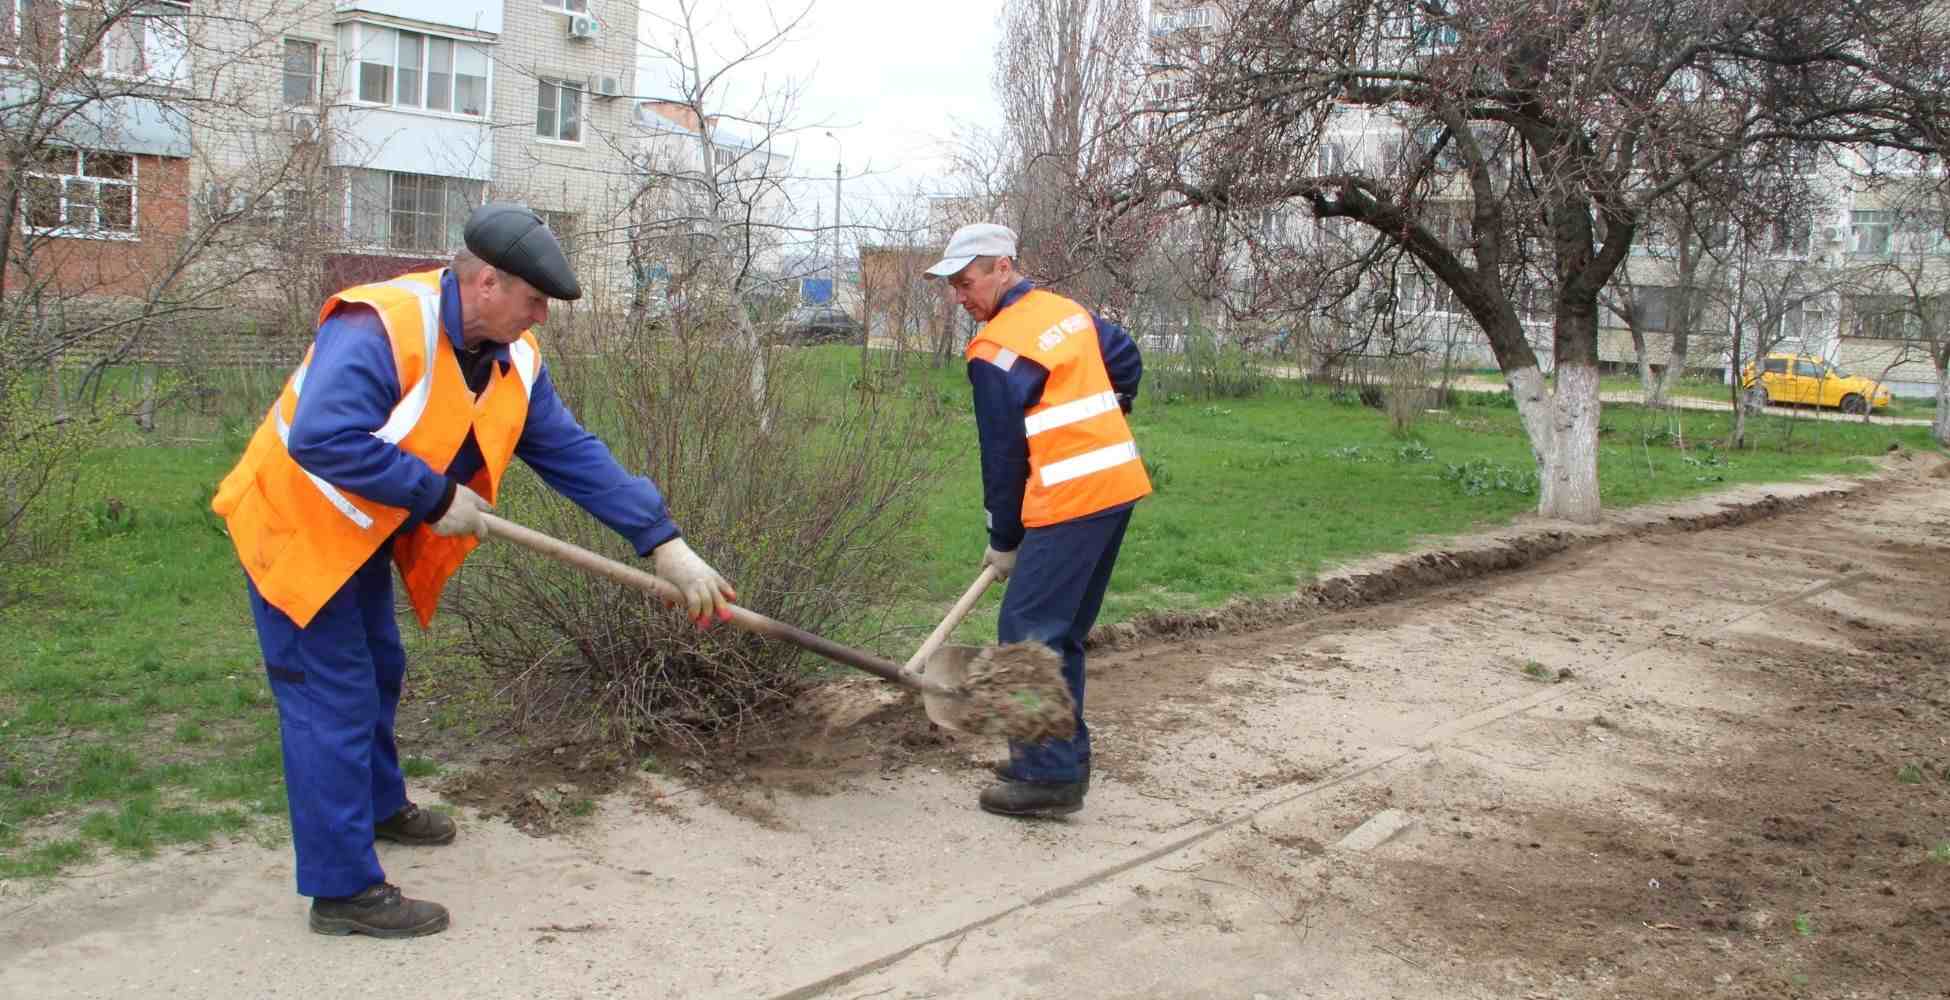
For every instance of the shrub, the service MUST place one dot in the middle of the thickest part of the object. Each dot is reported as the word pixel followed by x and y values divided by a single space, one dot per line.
pixel 797 498
pixel 1208 370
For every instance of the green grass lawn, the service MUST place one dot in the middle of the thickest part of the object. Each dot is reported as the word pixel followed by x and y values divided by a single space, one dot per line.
pixel 134 711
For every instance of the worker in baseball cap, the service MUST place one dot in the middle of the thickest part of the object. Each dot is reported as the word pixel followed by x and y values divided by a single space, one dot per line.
pixel 1060 474
pixel 384 449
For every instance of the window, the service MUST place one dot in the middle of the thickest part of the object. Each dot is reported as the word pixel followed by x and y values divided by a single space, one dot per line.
pixel 408 69
pixel 1179 20
pixel 71 192
pixel 1332 157
pixel 1870 230
pixel 415 212
pixel 567 227
pixel 1803 322
pixel 1886 317
pixel 558 110
pixel 723 157
pixel 300 73
pixel 1660 307
pixel 32 30
pixel 1775 366
pixel 1791 234
pixel 149 43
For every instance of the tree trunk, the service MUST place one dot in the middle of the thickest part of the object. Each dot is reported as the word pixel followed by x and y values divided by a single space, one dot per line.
pixel 1941 428
pixel 1675 367
pixel 145 412
pixel 1648 383
pixel 1563 429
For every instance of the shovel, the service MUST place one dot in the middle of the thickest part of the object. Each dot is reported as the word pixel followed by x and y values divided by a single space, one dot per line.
pixel 948 667
pixel 1008 692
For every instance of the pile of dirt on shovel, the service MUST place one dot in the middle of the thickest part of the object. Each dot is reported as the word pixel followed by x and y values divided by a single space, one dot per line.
pixel 1016 691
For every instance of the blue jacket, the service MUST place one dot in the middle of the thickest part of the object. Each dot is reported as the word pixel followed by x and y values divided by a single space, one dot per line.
pixel 352 386
pixel 1001 397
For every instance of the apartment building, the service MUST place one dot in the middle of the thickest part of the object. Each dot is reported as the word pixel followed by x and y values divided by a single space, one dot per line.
pixel 103 189
pixel 696 174
pixel 419 111
pixel 310 144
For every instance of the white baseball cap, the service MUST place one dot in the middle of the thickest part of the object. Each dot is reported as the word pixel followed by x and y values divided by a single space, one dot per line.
pixel 981 239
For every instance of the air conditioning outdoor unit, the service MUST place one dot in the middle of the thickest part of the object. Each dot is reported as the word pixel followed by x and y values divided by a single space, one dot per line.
pixel 584 26
pixel 605 86
pixel 302 126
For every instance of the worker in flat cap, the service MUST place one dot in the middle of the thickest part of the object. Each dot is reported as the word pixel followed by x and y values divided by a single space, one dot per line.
pixel 385 448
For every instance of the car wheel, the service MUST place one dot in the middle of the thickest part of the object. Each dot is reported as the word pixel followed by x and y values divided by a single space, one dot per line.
pixel 1854 404
pixel 1757 398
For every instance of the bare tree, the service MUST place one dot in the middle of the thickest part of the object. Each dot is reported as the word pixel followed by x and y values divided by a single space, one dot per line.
pixel 1902 298
pixel 1067 75
pixel 1666 289
pixel 715 213
pixel 105 254
pixel 1553 129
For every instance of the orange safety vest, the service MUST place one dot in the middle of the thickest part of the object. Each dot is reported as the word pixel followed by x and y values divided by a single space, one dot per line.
pixel 1082 458
pixel 301 538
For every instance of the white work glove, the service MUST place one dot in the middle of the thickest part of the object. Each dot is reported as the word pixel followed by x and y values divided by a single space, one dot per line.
pixel 705 592
pixel 1004 562
pixel 463 516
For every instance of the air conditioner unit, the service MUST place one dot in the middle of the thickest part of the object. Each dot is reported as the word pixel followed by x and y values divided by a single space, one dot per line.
pixel 584 26
pixel 605 86
pixel 302 126
pixel 1831 234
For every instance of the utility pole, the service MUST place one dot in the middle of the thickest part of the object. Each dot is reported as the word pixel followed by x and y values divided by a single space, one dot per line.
pixel 833 271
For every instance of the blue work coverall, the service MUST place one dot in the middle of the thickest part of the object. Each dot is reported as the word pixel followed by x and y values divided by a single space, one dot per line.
pixel 1062 570
pixel 338 680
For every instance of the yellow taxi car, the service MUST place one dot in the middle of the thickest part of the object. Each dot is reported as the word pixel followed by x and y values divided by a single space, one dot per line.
pixel 1809 381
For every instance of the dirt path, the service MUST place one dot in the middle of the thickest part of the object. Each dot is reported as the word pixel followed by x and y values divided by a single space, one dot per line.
pixel 1667 760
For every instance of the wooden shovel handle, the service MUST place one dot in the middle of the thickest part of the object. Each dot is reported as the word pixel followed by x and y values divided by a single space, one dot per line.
pixel 940 634
pixel 750 621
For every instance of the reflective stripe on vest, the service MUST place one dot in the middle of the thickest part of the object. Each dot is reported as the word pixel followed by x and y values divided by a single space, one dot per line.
pixel 1082 458
pixel 299 537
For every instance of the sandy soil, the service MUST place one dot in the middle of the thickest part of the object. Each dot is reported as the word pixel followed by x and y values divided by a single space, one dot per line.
pixel 1696 751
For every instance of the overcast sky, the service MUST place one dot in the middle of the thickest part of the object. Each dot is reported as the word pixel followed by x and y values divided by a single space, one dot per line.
pixel 890 78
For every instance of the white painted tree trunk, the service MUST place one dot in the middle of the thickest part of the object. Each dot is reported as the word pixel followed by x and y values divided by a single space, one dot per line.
pixel 1563 429
pixel 1941 428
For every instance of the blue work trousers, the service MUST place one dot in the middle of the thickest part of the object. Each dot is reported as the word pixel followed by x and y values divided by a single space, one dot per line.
pixel 337 683
pixel 1054 595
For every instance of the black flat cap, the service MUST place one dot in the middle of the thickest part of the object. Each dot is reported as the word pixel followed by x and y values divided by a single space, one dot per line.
pixel 516 240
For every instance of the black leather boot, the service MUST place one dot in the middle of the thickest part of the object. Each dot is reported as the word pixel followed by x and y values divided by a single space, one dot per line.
pixel 414 825
pixel 1034 798
pixel 379 912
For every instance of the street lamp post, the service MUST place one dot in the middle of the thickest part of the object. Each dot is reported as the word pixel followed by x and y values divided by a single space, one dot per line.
pixel 833 271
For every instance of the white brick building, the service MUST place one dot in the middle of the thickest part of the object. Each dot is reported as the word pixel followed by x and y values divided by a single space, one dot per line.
pixel 381 123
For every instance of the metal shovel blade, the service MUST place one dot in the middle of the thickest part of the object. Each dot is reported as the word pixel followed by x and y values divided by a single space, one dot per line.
pixel 948 667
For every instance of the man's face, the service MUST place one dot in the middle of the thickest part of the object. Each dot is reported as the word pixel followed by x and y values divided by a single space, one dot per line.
pixel 981 284
pixel 508 305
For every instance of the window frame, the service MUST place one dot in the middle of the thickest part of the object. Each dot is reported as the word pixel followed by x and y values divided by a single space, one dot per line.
pixel 316 80
pixel 354 47
pixel 561 86
pixel 451 216
pixel 66 230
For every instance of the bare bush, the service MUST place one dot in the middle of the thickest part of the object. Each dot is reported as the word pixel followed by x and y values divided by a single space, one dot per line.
pixel 1408 393
pixel 800 500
